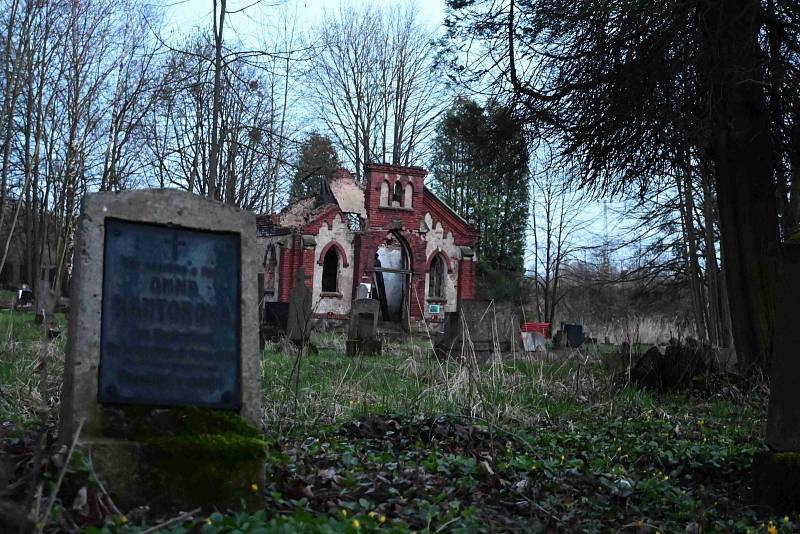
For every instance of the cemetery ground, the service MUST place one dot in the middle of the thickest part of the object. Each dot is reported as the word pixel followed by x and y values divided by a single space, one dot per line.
pixel 405 442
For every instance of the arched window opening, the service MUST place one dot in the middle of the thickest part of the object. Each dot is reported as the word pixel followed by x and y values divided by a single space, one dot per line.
pixel 384 201
pixel 397 196
pixel 330 272
pixel 270 265
pixel 436 278
pixel 409 196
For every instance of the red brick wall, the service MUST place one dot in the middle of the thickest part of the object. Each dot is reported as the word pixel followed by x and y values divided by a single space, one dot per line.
pixel 308 266
pixel 383 216
pixel 466 279
pixel 291 259
pixel 380 221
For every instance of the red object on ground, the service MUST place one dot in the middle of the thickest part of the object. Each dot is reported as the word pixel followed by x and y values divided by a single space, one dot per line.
pixel 542 328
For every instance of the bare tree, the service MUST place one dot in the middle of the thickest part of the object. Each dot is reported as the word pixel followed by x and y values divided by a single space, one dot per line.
pixel 556 225
pixel 375 83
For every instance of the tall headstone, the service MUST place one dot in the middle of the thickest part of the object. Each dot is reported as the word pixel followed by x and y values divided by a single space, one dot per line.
pixel 42 298
pixel 298 327
pixel 362 339
pixel 162 361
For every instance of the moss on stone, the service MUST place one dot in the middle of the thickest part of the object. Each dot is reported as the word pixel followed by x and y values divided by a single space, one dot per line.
pixel 213 457
pixel 787 458
pixel 207 421
pixel 188 456
pixel 212 447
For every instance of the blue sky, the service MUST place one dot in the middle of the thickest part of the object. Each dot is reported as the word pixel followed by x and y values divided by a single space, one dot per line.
pixel 255 16
pixel 252 22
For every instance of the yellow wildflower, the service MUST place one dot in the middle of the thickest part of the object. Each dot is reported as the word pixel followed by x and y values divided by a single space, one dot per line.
pixel 786 519
pixel 666 477
pixel 356 524
pixel 772 530
pixel 123 519
pixel 372 514
pixel 254 487
pixel 382 519
pixel 344 512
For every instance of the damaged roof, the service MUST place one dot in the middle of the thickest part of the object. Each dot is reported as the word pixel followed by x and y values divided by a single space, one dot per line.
pixel 346 193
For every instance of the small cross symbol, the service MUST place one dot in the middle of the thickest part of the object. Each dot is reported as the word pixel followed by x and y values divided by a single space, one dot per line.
pixel 175 244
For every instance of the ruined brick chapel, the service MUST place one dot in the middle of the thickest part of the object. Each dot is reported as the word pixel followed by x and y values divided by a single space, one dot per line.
pixel 393 233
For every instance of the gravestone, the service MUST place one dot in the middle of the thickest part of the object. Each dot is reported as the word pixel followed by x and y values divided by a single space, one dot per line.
pixel 364 291
pixel 362 333
pixel 485 327
pixel 298 323
pixel 776 471
pixel 573 333
pixel 162 368
pixel 274 320
pixel 42 300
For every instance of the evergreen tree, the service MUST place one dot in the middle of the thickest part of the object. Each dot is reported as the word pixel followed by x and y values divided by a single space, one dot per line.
pixel 480 168
pixel 317 158
pixel 632 94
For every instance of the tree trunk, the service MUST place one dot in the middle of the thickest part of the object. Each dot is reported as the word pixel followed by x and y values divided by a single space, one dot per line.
pixel 742 155
pixel 217 105
pixel 715 328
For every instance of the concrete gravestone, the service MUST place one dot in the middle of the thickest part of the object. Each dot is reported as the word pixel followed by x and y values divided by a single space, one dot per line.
pixel 362 333
pixel 162 367
pixel 298 327
pixel 484 327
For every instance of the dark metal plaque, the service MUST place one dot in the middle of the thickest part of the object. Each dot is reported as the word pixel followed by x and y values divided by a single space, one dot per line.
pixel 171 316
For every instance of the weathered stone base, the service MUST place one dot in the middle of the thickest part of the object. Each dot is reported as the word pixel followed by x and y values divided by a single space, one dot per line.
pixel 776 480
pixel 179 459
pixel 364 347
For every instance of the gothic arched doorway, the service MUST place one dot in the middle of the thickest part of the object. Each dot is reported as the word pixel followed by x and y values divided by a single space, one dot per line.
pixel 393 278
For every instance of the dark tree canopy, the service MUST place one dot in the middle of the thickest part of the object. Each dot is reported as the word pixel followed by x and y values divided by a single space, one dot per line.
pixel 479 167
pixel 317 158
pixel 631 94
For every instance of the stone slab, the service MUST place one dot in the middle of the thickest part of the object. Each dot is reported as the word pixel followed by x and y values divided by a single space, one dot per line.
pixel 298 326
pixel 364 347
pixel 482 326
pixel 364 319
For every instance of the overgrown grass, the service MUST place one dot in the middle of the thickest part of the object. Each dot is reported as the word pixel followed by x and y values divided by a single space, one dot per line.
pixel 31 367
pixel 407 379
pixel 544 443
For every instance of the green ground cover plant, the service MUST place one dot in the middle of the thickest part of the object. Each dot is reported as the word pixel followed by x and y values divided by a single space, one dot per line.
pixel 404 442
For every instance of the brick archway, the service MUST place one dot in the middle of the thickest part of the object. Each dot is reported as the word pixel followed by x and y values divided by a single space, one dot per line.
pixel 339 250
